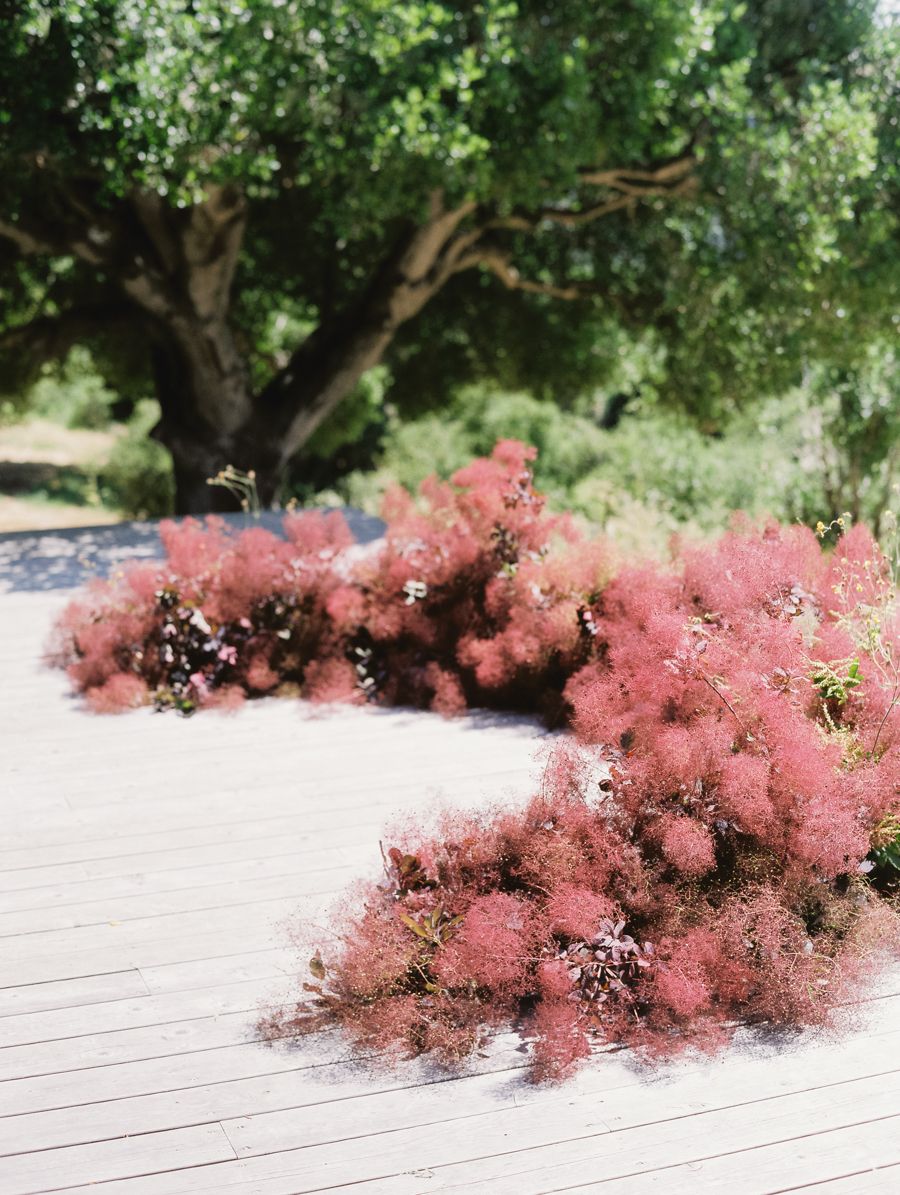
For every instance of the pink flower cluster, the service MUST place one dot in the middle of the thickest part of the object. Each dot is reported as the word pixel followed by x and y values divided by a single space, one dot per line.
pixel 697 853
pixel 473 598
pixel 224 616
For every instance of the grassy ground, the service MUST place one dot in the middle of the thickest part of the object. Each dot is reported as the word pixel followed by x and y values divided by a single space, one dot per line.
pixel 48 476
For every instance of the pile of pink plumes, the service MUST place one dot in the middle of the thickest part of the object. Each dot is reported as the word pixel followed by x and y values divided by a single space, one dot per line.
pixel 701 847
pixel 697 854
pixel 477 596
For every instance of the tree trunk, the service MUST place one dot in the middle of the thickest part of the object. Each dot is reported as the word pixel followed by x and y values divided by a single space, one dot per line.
pixel 261 445
pixel 195 496
pixel 202 440
pixel 198 438
pixel 279 420
pixel 195 460
pixel 210 419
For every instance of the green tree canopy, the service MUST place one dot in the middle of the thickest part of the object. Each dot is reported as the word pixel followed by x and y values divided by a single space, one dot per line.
pixel 253 202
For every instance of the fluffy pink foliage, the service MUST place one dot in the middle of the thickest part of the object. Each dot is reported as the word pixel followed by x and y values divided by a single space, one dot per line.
pixel 706 690
pixel 573 923
pixel 474 598
pixel 688 845
pixel 744 793
pixel 712 826
pixel 120 692
pixel 680 981
pixel 696 853
pixel 332 681
pixel 449 698
pixel 493 946
pixel 575 911
pixel 224 615
pixel 261 677
pixel 558 1039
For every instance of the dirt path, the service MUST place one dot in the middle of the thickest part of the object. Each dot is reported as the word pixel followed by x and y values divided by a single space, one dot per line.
pixel 38 457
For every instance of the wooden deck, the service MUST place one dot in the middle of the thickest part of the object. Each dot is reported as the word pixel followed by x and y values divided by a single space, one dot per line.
pixel 149 870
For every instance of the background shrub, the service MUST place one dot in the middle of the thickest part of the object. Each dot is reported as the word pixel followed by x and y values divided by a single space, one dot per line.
pixel 654 474
pixel 137 477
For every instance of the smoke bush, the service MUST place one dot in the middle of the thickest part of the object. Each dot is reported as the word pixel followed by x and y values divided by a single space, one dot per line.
pixel 224 615
pixel 696 858
pixel 571 922
pixel 700 851
pixel 474 598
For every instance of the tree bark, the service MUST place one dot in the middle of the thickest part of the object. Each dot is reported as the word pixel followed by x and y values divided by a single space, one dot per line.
pixel 202 444
pixel 211 420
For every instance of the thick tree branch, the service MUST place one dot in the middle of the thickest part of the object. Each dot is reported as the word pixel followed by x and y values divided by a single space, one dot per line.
pixel 334 357
pixel 108 241
pixel 198 246
pixel 153 212
pixel 51 337
pixel 176 266
pixel 497 261
pixel 568 217
pixel 418 266
pixel 671 174
pixel 158 255
pixel 30 241
pixel 669 181
pixel 417 262
pixel 227 216
pixel 470 250
pixel 339 351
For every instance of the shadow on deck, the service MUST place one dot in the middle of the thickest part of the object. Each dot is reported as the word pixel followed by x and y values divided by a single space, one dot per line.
pixel 41 561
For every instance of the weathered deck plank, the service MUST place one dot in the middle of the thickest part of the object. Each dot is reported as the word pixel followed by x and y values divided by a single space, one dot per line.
pixel 148 869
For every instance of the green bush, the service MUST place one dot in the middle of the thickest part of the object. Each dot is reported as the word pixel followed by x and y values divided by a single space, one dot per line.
pixel 654 474
pixel 757 464
pixel 137 478
pixel 73 394
pixel 569 445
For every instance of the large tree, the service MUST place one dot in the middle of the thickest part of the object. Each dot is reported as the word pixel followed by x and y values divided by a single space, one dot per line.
pixel 196 183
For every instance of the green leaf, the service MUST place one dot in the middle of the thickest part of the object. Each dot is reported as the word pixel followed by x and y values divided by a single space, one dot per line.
pixel 414 926
pixel 317 966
